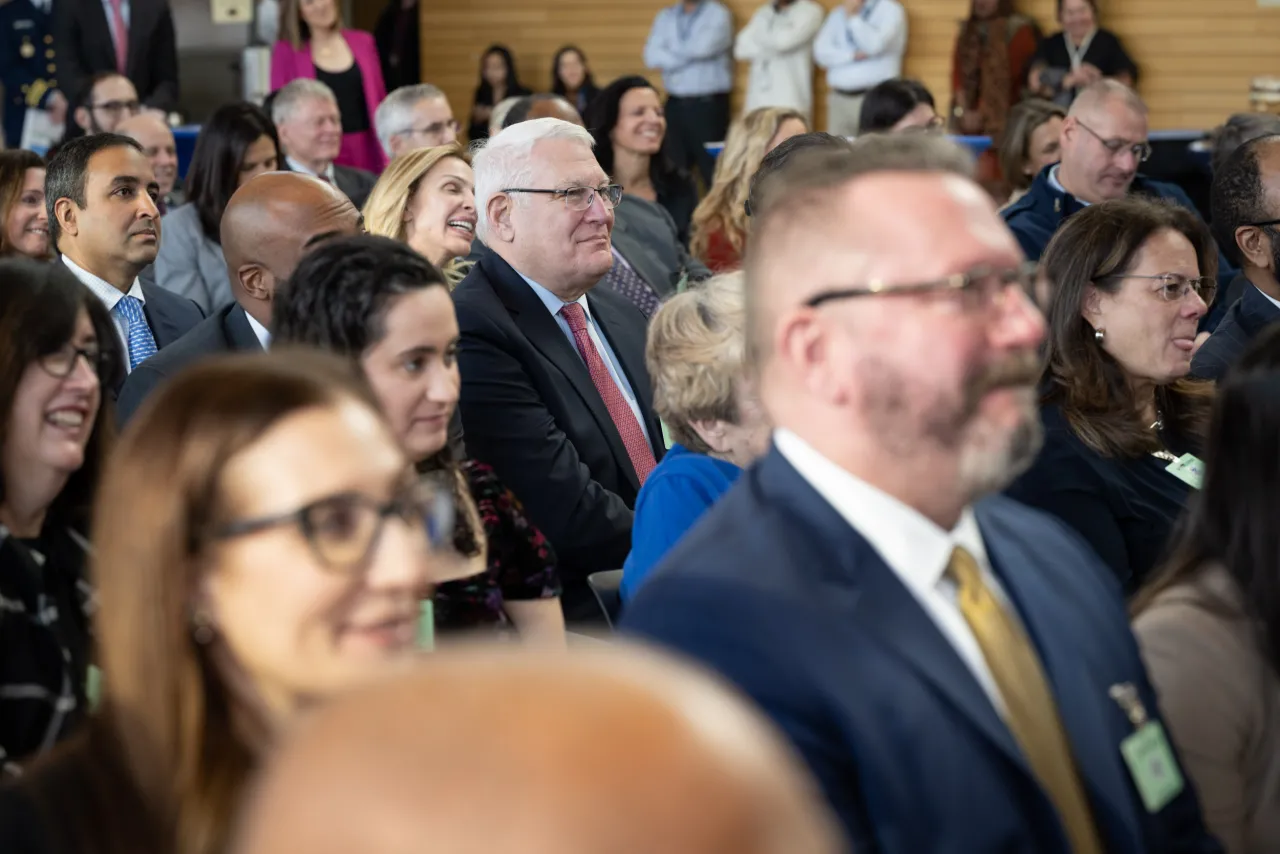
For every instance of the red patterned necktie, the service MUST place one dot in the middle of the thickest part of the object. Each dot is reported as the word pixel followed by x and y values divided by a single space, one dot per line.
pixel 623 417
pixel 121 33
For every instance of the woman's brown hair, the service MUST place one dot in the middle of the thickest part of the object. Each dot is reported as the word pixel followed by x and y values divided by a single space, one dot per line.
pixel 13 174
pixel 1015 146
pixel 293 29
pixel 1091 387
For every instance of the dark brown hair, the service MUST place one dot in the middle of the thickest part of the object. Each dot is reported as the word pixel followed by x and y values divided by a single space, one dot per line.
pixel 1014 147
pixel 1090 386
pixel 13 174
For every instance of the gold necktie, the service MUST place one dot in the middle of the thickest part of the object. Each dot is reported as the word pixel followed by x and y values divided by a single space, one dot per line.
pixel 1030 711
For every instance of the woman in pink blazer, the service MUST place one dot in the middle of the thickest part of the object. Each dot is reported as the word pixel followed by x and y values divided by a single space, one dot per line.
pixel 314 44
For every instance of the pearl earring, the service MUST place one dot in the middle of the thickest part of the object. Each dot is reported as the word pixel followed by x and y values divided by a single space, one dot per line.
pixel 1099 335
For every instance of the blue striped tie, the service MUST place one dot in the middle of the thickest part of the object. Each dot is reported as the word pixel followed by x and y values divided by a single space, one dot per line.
pixel 142 344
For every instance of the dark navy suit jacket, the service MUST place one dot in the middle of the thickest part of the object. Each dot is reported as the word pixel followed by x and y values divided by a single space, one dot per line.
pixel 776 591
pixel 1244 321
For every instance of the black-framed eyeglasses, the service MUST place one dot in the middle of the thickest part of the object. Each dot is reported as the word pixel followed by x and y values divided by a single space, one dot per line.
pixel 433 129
pixel 578 198
pixel 343 530
pixel 62 362
pixel 1174 287
pixel 1141 151
pixel 117 107
pixel 985 285
pixel 1264 224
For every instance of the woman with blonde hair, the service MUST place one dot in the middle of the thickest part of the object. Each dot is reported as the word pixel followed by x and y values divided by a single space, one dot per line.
pixel 427 200
pixel 720 220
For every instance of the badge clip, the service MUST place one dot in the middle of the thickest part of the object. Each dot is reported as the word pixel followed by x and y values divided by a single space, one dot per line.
pixel 1126 696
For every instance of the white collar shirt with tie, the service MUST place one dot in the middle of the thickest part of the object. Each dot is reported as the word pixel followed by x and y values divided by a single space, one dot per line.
pixel 328 174
pixel 109 295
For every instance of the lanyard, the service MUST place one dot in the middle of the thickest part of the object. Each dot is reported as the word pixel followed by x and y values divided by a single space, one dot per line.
pixel 1076 55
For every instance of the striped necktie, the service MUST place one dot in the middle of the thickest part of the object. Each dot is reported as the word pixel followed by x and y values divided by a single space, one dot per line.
pixel 142 344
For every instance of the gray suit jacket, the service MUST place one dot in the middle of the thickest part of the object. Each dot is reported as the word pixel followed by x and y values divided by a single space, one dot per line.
pixel 647 237
pixel 189 263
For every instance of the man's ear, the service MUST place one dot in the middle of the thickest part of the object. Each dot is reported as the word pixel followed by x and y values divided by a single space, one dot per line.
pixel 81 115
pixel 257 282
pixel 1255 246
pixel 499 210
pixel 65 211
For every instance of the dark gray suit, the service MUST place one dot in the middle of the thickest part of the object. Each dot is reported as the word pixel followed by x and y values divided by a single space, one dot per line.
pixel 646 236
pixel 356 183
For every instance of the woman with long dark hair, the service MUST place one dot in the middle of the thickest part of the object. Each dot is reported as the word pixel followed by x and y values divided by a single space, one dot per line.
pixel 237 143
pixel 571 77
pixel 1209 622
pixel 498 82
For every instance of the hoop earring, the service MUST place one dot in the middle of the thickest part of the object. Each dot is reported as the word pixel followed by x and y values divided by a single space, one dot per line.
pixel 1099 335
pixel 202 627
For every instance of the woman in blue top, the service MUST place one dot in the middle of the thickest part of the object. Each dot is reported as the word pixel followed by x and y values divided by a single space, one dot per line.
pixel 695 358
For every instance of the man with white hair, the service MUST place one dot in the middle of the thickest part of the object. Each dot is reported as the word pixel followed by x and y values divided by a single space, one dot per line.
pixel 957 668
pixel 555 395
pixel 414 117
pixel 306 116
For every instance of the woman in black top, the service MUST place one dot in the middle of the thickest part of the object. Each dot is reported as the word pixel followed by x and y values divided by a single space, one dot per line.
pixel 1080 54
pixel 60 350
pixel 571 78
pixel 1132 279
pixel 498 81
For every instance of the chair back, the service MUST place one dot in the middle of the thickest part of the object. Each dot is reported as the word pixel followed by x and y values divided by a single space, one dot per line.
pixel 605 587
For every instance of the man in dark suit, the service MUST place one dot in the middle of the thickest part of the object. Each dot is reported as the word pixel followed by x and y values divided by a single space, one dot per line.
pixel 306 115
pixel 1246 214
pixel 103 220
pixel 267 226
pixel 957 670
pixel 555 395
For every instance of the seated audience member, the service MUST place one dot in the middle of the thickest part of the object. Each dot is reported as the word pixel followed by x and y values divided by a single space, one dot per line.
pixel 153 134
pixel 415 117
pixel 541 106
pixel 571 78
pixel 268 225
pixel 989 67
pixel 427 200
pixel 259 545
pixel 434 749
pixel 1236 131
pixel 108 99
pixel 555 395
pixel 24 219
pixel 720 220
pixel 104 223
pixel 629 127
pixel 1207 623
pixel 498 82
pixel 1246 211
pixel 701 391
pixel 314 45
pixel 1032 141
pixel 498 117
pixel 1131 279
pixel 898 105
pixel 238 142
pixel 382 305
pixel 1080 55
pixel 932 650
pixel 778 159
pixel 305 113
pixel 60 352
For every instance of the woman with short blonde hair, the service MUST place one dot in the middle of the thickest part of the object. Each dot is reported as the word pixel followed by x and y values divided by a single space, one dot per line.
pixel 719 233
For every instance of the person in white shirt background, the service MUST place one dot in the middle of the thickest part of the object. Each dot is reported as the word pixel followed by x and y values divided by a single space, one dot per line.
pixel 861 43
pixel 778 42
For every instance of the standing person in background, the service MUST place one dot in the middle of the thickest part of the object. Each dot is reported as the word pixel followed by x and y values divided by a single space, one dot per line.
pixel 778 42
pixel 691 43
pixel 24 220
pixel 28 70
pixel 861 44
pixel 398 36
pixel 314 44
pixel 498 82
pixel 1079 55
pixel 571 78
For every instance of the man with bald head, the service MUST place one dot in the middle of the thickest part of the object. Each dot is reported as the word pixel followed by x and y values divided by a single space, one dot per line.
pixel 542 106
pixel 956 668
pixel 268 225
pixel 614 752
pixel 153 134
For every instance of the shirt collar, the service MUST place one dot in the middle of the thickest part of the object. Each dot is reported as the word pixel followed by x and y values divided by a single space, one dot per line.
pixel 295 166
pixel 917 550
pixel 1057 185
pixel 104 290
pixel 264 334
pixel 551 301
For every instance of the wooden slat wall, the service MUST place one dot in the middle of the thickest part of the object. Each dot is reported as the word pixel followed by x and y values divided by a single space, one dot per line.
pixel 1196 57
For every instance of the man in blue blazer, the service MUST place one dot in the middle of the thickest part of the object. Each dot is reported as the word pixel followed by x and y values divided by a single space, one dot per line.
pixel 957 669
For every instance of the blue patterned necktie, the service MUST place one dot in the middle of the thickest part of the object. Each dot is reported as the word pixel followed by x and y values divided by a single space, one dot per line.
pixel 142 344
pixel 623 279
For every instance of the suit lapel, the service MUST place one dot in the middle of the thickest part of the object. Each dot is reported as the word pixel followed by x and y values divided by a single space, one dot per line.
pixel 162 327
pixel 239 334
pixel 639 257
pixel 137 32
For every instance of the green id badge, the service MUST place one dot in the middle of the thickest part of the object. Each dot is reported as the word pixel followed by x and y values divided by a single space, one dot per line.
pixel 426 625
pixel 1152 766
pixel 93 686
pixel 666 436
pixel 1189 469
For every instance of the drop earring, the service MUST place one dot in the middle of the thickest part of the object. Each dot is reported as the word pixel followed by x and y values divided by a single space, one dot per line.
pixel 1099 335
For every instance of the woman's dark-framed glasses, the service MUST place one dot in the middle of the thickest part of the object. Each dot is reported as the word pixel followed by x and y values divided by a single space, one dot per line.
pixel 578 198
pixel 984 285
pixel 343 530
pixel 62 362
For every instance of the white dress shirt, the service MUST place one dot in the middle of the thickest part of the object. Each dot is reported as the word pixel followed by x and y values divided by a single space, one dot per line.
pixel 109 295
pixel 916 549
pixel 779 45
pixel 329 175
pixel 264 334
pixel 862 50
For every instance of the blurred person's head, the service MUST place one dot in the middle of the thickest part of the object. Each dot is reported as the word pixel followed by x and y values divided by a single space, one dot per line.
pixel 560 238
pixel 889 321
pixel 414 117
pixel 269 224
pixel 1131 279
pixel 1245 202
pixel 24 219
pixel 541 106
pixel 1236 131
pixel 982 9
pixel 1104 142
pixel 153 134
pixel 1078 18
pixel 108 99
pixel 238 142
pixel 784 154
pixel 1032 140
pixel 498 118
pixel 60 351
pixel 897 105
pixel 570 73
pixel 102 201
pixel 497 71
pixel 696 358
pixel 750 138
pixel 306 116
pixel 425 756
pixel 299 19
pixel 426 199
